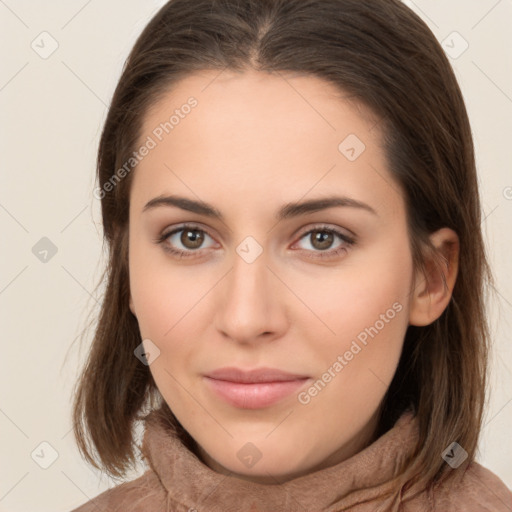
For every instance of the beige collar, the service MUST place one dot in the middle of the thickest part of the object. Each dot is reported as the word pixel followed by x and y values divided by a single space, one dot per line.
pixel 361 478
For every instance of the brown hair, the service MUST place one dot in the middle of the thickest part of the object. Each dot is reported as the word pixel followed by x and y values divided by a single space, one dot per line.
pixel 383 55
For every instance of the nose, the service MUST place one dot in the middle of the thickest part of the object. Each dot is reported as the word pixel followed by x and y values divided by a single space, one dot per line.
pixel 250 303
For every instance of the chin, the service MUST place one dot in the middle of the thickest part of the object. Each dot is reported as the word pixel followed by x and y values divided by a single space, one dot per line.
pixel 251 463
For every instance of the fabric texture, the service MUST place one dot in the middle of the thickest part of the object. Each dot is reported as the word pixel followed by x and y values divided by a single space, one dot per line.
pixel 178 481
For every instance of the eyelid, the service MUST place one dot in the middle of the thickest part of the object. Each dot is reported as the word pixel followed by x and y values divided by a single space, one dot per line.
pixel 192 226
pixel 327 227
pixel 348 241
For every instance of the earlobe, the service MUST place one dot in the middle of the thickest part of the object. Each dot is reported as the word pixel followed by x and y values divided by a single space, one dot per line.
pixel 433 292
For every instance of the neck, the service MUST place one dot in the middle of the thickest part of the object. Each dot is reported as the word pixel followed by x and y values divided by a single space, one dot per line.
pixel 357 443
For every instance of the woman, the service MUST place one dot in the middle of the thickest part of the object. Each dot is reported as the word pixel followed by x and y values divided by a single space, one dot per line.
pixel 295 294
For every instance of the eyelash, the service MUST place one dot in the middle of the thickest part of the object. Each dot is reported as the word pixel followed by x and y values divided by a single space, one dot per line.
pixel 319 254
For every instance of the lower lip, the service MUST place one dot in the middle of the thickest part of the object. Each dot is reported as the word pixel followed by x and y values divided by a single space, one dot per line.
pixel 254 396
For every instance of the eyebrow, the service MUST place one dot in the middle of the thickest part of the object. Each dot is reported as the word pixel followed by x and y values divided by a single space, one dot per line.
pixel 287 211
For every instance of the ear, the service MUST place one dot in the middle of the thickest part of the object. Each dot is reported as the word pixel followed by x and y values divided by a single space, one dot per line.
pixel 432 292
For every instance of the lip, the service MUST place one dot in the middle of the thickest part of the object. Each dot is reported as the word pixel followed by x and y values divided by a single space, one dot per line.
pixel 253 389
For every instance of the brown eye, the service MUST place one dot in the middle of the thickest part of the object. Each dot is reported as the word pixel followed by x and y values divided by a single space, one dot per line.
pixel 321 239
pixel 191 238
pixel 322 242
pixel 185 241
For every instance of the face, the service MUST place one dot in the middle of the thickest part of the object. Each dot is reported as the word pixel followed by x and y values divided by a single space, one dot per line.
pixel 319 293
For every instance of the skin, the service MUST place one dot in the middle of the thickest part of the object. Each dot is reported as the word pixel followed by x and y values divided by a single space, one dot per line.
pixel 253 143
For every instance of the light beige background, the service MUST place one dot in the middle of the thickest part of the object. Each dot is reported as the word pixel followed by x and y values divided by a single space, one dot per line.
pixel 52 112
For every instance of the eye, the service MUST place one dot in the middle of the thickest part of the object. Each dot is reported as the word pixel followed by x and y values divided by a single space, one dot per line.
pixel 192 237
pixel 189 236
pixel 322 238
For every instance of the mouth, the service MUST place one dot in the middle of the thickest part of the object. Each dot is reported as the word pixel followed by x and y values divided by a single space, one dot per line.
pixel 253 389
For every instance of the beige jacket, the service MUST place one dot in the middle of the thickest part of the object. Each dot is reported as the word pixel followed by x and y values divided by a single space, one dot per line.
pixel 178 481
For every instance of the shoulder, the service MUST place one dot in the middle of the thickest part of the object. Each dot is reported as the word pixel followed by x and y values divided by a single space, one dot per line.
pixel 139 495
pixel 477 490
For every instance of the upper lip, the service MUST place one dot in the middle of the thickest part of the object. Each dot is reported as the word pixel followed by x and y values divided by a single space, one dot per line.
pixel 256 375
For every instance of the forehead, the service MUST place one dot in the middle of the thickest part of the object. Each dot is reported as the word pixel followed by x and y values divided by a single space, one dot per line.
pixel 228 102
pixel 261 134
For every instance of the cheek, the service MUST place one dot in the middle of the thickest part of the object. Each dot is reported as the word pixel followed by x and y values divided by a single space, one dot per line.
pixel 355 298
pixel 166 301
pixel 161 293
pixel 357 364
pixel 366 311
